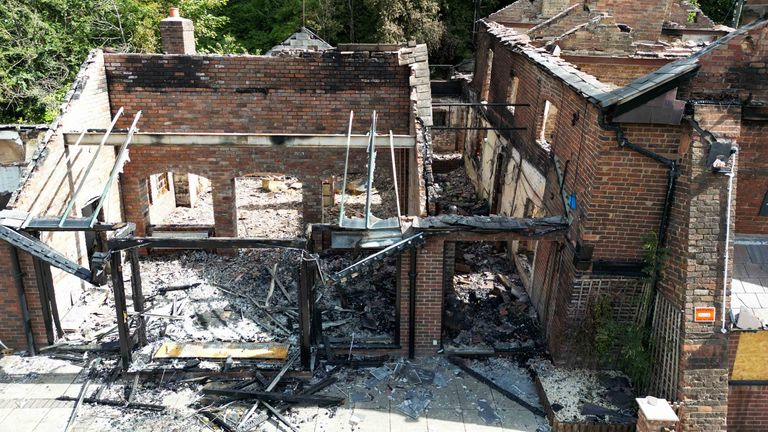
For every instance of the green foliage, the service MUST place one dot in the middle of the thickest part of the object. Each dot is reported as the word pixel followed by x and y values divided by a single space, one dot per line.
pixel 626 345
pixel 45 41
pixel 720 11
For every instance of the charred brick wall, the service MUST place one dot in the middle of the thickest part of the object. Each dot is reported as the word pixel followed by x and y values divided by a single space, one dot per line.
pixel 47 186
pixel 310 94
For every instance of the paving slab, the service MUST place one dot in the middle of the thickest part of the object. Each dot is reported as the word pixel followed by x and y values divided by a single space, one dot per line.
pixel 55 420
pixel 371 420
pixel 23 419
pixel 445 420
pixel 400 422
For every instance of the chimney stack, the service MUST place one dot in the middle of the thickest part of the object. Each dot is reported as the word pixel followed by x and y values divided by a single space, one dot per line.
pixel 178 34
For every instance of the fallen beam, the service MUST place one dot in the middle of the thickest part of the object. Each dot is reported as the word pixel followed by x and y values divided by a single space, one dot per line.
pixel 117 244
pixel 116 403
pixel 223 350
pixel 522 402
pixel 322 401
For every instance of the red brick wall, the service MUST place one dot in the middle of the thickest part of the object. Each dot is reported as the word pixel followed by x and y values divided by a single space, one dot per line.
pixel 46 192
pixel 310 165
pixel 611 71
pixel 731 74
pixel 257 94
pixel 748 408
pixel 753 178
pixel 747 404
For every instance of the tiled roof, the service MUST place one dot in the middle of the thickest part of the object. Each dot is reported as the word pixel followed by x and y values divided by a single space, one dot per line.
pixel 580 81
pixel 303 40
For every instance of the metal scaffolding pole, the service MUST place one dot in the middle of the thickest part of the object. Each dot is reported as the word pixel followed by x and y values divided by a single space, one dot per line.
pixel 122 156
pixel 71 202
pixel 346 168
pixel 371 168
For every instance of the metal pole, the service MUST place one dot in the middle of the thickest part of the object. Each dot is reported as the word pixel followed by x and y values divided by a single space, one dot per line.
pixel 122 156
pixel 394 174
pixel 18 277
pixel 371 168
pixel 346 166
pixel 71 202
pixel 727 241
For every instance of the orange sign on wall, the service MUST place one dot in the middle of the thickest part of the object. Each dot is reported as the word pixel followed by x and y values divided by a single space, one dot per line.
pixel 704 314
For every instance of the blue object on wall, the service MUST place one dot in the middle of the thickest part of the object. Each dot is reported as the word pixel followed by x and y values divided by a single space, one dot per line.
pixel 572 200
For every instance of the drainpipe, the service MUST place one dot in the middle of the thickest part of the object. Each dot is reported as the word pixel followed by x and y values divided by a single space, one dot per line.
pixel 17 275
pixel 730 175
pixel 672 175
pixel 412 306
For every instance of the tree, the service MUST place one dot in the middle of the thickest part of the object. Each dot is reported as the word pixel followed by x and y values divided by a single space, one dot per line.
pixel 45 41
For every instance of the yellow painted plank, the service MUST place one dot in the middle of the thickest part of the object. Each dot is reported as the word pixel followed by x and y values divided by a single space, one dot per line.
pixel 751 361
pixel 222 350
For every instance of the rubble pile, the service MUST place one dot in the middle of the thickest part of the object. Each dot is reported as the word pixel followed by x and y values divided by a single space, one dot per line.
pixel 488 306
pixel 456 195
pixel 363 306
pixel 383 201
pixel 579 395
pixel 272 212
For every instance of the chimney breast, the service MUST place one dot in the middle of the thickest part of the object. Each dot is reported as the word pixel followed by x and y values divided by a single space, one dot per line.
pixel 178 34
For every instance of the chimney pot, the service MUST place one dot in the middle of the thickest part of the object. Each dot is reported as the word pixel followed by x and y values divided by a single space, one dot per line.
pixel 173 12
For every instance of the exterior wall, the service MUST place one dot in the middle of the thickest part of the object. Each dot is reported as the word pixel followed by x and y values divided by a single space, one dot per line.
pixel 731 74
pixel 692 275
pixel 434 274
pixel 747 404
pixel 47 186
pixel 619 72
pixel 309 94
pixel 310 165
pixel 753 178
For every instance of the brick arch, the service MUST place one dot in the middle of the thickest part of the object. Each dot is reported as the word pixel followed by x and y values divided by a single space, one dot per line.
pixel 223 164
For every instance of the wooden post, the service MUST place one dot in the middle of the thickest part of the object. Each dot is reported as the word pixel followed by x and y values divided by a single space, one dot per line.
pixel 118 289
pixel 306 282
pixel 138 296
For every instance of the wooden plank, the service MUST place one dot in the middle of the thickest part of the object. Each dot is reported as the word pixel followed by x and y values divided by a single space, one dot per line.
pixel 223 350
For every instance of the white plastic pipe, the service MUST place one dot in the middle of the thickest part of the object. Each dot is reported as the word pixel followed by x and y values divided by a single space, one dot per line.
pixel 727 241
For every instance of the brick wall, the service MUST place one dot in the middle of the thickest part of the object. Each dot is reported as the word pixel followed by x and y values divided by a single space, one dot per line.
pixel 731 74
pixel 748 408
pixel 47 187
pixel 753 178
pixel 310 165
pixel 619 72
pixel 747 404
pixel 434 274
pixel 311 93
pixel 692 275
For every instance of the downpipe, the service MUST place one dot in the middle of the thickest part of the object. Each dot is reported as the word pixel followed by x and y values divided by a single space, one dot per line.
pixel 412 306
pixel 672 175
pixel 730 174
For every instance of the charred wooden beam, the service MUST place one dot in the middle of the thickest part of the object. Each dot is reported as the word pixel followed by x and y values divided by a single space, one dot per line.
pixel 275 396
pixel 116 244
